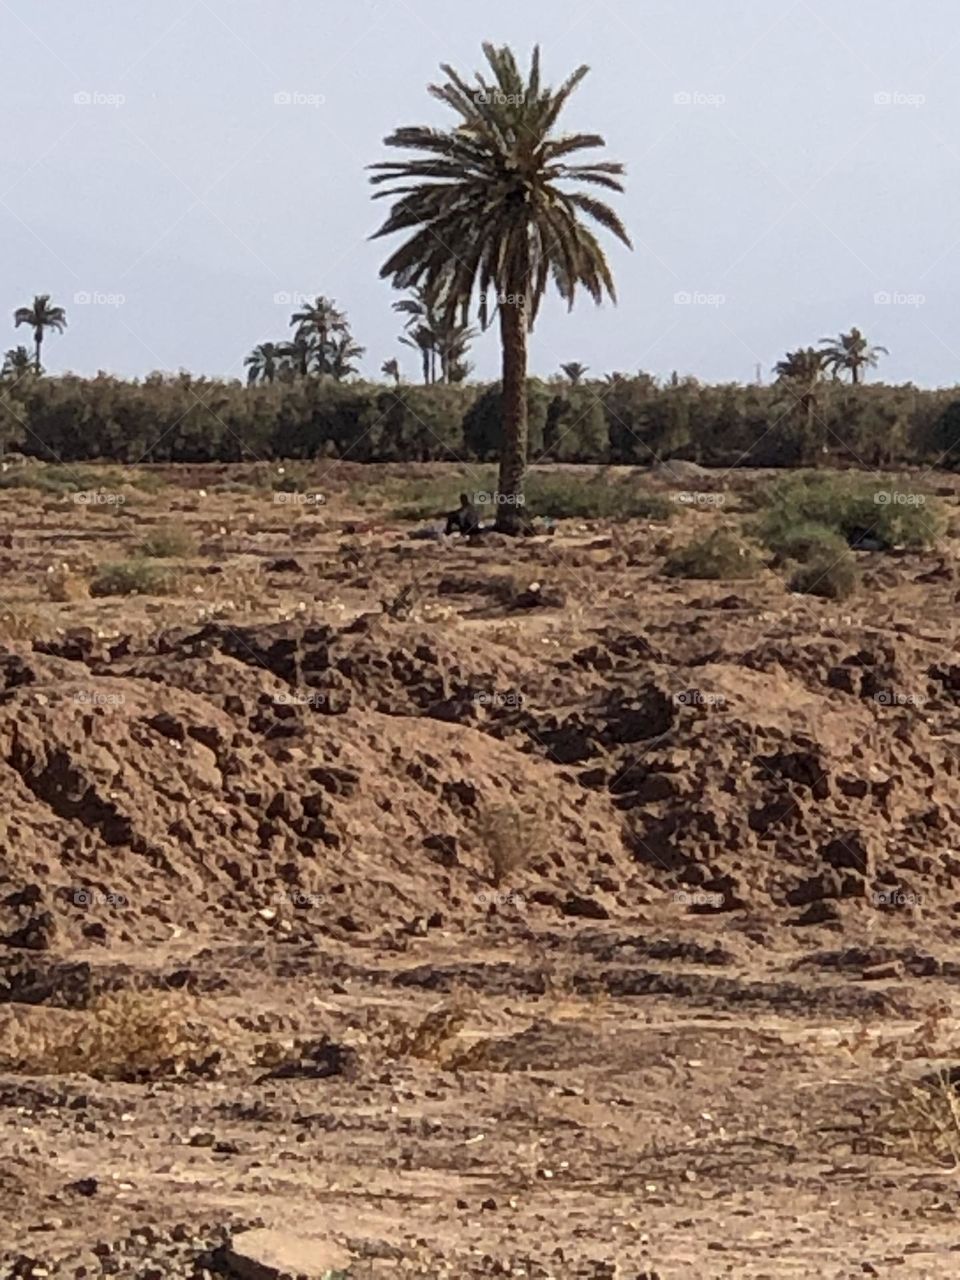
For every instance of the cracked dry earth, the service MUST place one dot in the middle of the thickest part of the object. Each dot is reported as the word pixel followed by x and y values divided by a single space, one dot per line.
pixel 281 994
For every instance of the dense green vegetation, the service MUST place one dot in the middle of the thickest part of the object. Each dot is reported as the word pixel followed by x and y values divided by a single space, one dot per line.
pixel 179 418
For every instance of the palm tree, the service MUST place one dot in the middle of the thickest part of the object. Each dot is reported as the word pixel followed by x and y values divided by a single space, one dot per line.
pixel 488 209
pixel 436 335
pixel 424 340
pixel 264 362
pixel 17 363
pixel 802 371
pixel 851 351
pixel 39 317
pixel 299 357
pixel 574 371
pixel 343 351
pixel 804 366
pixel 321 322
pixel 391 368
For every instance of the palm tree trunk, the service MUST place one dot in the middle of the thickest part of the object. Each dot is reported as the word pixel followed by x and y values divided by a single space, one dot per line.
pixel 855 372
pixel 38 339
pixel 513 444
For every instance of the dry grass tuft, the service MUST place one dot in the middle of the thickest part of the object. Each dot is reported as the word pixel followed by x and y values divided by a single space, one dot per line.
pixel 922 1120
pixel 63 585
pixel 507 839
pixel 430 1038
pixel 19 624
pixel 172 542
pixel 124 1035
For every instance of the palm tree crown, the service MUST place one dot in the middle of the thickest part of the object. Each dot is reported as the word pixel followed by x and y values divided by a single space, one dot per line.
pixel 263 362
pixel 489 208
pixel 437 335
pixel 575 371
pixel 804 366
pixel 40 316
pixel 17 363
pixel 851 351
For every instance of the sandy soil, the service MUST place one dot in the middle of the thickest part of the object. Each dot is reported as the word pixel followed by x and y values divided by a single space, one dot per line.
pixel 379 906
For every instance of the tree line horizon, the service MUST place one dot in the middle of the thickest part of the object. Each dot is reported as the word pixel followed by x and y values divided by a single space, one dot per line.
pixel 491 211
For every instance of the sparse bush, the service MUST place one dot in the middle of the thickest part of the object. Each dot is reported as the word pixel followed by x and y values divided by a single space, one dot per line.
pixel 829 577
pixel 174 542
pixel 566 495
pixel 65 584
pixel 132 578
pixel 507 840
pixel 722 554
pixel 924 1119
pixel 805 542
pixel 124 1035
pixel 859 511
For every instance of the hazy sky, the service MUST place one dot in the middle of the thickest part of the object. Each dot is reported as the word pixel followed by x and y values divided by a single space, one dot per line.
pixel 787 163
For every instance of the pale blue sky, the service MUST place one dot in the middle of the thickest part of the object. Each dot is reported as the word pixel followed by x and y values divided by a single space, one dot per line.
pixel 783 196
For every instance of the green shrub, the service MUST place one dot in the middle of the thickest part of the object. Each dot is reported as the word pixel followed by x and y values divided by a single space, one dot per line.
pixel 860 511
pixel 171 543
pixel 568 495
pixel 132 578
pixel 722 554
pixel 806 542
pixel 830 577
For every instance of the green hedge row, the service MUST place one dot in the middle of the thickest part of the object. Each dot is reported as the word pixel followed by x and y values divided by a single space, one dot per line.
pixel 629 420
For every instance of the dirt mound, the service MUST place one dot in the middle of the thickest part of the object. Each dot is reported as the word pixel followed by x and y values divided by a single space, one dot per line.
pixel 205 784
pixel 299 777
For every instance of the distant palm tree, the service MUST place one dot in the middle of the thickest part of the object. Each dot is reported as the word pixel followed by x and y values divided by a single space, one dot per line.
pixel 39 317
pixel 488 210
pixel 17 363
pixel 299 357
pixel 321 322
pixel 343 351
pixel 851 351
pixel 264 362
pixel 803 366
pixel 391 368
pixel 802 371
pixel 574 371
pixel 424 340
pixel 436 334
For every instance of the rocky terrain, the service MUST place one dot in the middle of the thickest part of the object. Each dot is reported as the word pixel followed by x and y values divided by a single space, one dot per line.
pixel 374 905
